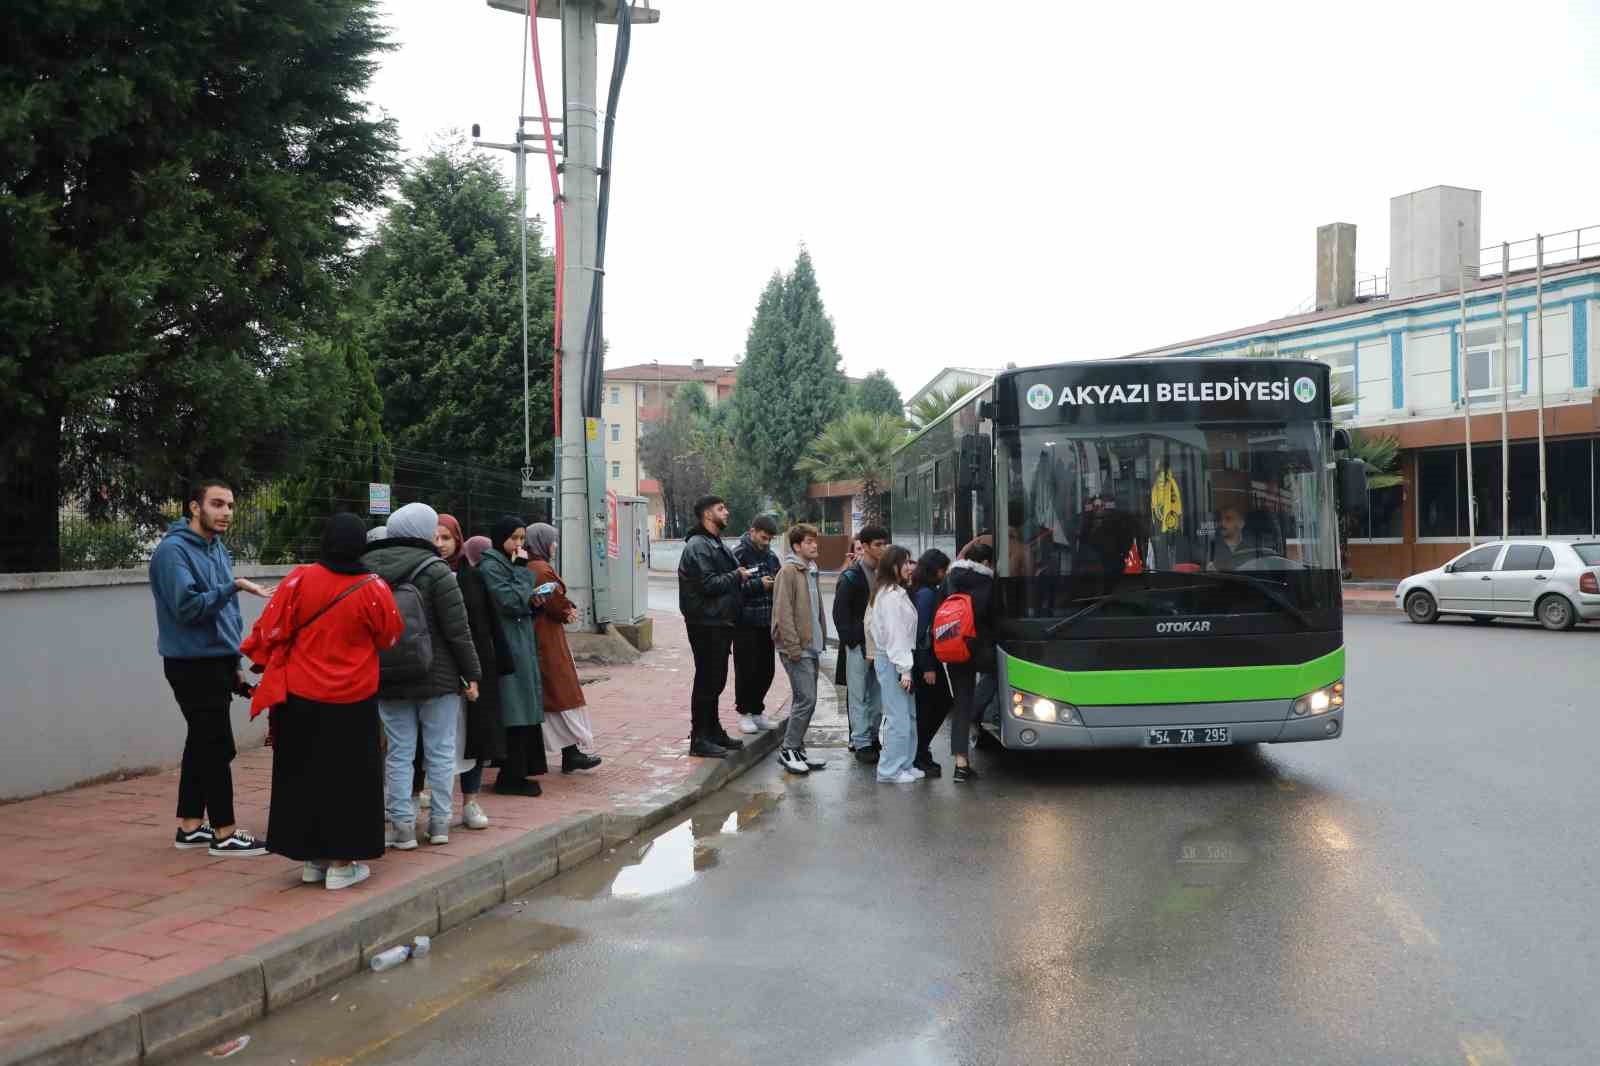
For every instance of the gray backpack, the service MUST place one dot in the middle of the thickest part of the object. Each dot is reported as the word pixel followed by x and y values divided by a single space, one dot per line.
pixel 411 658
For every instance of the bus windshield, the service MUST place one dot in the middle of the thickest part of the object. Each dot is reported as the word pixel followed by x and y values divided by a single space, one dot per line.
pixel 1193 519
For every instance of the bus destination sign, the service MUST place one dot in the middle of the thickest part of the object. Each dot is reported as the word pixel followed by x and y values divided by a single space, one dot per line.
pixel 1174 390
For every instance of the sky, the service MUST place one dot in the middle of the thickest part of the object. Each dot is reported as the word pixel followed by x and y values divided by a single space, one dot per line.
pixel 985 183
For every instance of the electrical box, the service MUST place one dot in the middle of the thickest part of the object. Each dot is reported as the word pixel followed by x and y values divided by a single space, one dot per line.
pixel 628 535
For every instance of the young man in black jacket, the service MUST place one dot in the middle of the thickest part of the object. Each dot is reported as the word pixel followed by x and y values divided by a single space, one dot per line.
pixel 754 654
pixel 711 587
pixel 850 598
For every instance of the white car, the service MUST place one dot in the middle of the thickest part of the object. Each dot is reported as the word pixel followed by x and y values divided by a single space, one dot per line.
pixel 1555 581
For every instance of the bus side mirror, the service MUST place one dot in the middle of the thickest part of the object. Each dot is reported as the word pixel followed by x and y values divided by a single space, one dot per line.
pixel 972 463
pixel 1352 474
pixel 1341 440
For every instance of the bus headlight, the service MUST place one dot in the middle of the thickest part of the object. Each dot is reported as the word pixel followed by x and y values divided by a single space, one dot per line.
pixel 1321 701
pixel 1033 708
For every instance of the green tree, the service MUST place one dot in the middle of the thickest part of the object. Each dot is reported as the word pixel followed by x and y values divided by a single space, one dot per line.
pixel 179 188
pixel 673 450
pixel 931 405
pixel 857 447
pixel 1381 454
pixel 877 396
pixel 788 382
pixel 443 327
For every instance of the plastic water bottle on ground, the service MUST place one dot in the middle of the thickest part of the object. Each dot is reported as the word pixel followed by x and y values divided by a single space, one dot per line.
pixel 386 960
pixel 421 946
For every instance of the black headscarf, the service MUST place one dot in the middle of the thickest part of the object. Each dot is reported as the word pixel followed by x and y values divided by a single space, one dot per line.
pixel 502 529
pixel 344 538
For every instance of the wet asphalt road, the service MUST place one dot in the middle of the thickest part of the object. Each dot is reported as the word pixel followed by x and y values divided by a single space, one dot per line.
pixel 1420 891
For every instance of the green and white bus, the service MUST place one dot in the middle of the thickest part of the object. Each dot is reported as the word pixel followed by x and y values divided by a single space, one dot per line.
pixel 1166 547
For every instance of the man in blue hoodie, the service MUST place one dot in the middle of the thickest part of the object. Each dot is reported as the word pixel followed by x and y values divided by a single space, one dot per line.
pixel 198 631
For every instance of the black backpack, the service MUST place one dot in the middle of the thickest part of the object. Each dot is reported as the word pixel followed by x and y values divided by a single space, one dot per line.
pixel 411 658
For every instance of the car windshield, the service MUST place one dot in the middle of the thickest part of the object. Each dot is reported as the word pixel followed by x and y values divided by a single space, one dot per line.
pixel 1179 519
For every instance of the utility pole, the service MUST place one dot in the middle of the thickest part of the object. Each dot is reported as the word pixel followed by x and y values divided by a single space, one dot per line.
pixel 580 501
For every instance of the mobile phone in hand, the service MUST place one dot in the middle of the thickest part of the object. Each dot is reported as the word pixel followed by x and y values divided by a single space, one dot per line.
pixel 549 588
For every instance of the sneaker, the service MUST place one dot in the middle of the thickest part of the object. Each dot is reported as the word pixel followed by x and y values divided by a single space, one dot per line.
pixel 793 761
pixel 345 876
pixel 904 777
pixel 239 844
pixel 747 724
pixel 405 838
pixel 814 762
pixel 438 833
pixel 929 767
pixel 762 722
pixel 919 774
pixel 202 837
pixel 313 872
pixel 472 816
pixel 424 800
pixel 388 833
pixel 868 755
pixel 965 773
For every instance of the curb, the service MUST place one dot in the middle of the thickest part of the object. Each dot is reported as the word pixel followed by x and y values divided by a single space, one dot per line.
pixel 1372 607
pixel 213 1003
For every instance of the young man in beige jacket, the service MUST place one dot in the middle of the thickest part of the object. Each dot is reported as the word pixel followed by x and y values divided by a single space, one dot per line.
pixel 800 631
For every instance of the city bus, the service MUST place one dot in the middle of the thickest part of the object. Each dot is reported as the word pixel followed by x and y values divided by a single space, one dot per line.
pixel 1166 547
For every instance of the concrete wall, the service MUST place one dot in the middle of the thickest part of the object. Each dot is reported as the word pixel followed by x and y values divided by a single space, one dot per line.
pixel 84 696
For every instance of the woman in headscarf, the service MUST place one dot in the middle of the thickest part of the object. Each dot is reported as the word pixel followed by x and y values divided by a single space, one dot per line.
pixel 317 643
pixel 510 584
pixel 482 737
pixel 566 719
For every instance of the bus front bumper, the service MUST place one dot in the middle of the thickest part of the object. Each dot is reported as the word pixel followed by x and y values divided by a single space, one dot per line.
pixel 1039 736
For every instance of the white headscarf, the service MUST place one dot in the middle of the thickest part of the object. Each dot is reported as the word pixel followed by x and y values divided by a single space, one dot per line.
pixel 377 533
pixel 414 520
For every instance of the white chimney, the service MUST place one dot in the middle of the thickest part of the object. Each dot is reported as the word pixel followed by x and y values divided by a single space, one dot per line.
pixel 1336 265
pixel 1431 232
pixel 698 364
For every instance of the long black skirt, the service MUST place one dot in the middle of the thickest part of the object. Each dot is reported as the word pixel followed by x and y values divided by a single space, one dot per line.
pixel 327 781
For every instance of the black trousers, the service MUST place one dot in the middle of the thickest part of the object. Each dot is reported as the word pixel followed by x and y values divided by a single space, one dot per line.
pixel 964 679
pixel 204 691
pixel 755 661
pixel 710 645
pixel 933 707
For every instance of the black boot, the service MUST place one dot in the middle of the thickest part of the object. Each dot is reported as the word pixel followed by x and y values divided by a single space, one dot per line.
pixel 573 759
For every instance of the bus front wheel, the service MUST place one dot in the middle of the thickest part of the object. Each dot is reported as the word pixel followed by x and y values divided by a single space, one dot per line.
pixel 1421 609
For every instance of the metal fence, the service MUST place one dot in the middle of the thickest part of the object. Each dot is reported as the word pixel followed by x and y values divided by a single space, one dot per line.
pixel 279 520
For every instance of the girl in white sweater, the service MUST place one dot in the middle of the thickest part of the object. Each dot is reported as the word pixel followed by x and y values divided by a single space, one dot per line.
pixel 892 626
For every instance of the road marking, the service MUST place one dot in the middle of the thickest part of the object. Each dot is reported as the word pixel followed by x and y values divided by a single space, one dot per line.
pixel 1413 931
pixel 1485 1049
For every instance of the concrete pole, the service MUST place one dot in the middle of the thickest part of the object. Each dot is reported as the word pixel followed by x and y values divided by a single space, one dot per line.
pixel 1466 395
pixel 1505 395
pixel 579 189
pixel 1544 511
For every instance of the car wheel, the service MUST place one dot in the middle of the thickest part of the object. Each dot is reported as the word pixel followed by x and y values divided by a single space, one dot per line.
pixel 1483 619
pixel 1555 612
pixel 1421 609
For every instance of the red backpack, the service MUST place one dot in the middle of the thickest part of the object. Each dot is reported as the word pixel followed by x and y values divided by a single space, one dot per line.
pixel 954 626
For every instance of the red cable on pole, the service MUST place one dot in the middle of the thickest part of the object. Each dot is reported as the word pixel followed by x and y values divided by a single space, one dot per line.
pixel 555 196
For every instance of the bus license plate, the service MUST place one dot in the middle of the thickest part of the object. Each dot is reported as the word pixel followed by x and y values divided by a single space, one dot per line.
pixel 1199 736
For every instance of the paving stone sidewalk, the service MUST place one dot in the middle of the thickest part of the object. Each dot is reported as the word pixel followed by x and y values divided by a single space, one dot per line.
pixel 96 906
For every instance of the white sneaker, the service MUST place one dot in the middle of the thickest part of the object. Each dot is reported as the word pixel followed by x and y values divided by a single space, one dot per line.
pixel 405 837
pixel 424 800
pixel 793 761
pixel 814 762
pixel 345 876
pixel 747 724
pixel 472 816
pixel 388 833
pixel 438 833
pixel 904 777
pixel 762 721
pixel 313 872
pixel 917 775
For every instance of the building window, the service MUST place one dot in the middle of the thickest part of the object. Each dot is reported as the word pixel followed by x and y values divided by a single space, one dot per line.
pixel 616 432
pixel 616 471
pixel 1570 473
pixel 1383 518
pixel 616 394
pixel 1484 365
pixel 1342 377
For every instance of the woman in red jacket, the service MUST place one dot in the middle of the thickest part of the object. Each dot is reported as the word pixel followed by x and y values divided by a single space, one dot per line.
pixel 318 642
pixel 566 719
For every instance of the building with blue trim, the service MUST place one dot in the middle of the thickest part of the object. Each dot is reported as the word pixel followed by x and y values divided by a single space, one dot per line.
pixel 1405 367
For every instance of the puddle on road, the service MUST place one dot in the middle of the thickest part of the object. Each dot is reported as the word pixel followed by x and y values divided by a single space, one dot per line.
pixel 675 856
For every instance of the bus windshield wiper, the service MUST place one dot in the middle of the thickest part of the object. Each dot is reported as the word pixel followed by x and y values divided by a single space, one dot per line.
pixel 1098 602
pixel 1272 590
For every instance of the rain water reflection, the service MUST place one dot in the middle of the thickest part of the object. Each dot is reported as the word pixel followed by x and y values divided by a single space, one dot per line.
pixel 675 856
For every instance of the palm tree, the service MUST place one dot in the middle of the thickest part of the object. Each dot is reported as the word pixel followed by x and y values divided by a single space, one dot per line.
pixel 856 447
pixel 934 404
pixel 1381 454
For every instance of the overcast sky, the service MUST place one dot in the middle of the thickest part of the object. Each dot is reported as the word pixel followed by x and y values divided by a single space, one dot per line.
pixel 1055 182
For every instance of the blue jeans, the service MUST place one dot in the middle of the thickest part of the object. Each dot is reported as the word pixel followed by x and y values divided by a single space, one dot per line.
pixel 899 721
pixel 865 704
pixel 437 719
